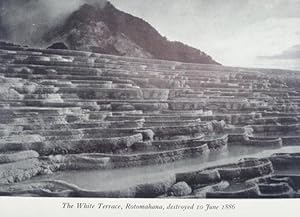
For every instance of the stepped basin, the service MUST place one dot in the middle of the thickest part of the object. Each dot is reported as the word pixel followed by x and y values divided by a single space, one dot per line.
pixel 113 126
pixel 127 177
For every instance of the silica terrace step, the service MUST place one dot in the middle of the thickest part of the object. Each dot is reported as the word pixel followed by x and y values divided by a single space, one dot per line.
pixel 101 111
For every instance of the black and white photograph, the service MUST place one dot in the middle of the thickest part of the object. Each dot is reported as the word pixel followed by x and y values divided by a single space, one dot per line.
pixel 160 99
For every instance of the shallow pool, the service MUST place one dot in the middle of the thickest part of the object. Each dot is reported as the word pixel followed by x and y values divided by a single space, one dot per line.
pixel 126 177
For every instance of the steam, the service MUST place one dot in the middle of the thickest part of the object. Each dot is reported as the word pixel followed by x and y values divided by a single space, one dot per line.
pixel 25 21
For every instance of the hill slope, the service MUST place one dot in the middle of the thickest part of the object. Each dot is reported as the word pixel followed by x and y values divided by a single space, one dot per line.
pixel 109 30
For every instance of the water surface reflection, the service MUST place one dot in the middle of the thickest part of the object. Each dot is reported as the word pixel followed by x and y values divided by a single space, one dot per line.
pixel 127 177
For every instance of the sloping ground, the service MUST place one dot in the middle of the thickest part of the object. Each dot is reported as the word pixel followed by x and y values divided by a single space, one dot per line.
pixel 111 31
pixel 64 110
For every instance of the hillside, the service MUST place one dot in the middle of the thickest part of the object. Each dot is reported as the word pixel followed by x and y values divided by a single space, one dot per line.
pixel 111 31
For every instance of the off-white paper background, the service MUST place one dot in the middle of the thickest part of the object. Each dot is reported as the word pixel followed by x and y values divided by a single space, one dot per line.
pixel 51 207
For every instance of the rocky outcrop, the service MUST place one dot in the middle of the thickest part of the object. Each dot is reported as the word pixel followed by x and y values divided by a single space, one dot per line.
pixel 205 177
pixel 180 189
pixel 154 189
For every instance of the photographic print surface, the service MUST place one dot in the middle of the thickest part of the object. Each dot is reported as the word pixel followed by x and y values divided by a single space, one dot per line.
pixel 150 99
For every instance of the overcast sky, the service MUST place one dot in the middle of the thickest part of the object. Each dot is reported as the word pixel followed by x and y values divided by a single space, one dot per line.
pixel 234 32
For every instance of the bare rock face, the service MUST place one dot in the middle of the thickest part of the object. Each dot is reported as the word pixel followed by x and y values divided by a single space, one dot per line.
pixel 180 189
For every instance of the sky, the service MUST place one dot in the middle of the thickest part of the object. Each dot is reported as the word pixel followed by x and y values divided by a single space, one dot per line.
pixel 256 33
pixel 28 20
pixel 234 32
